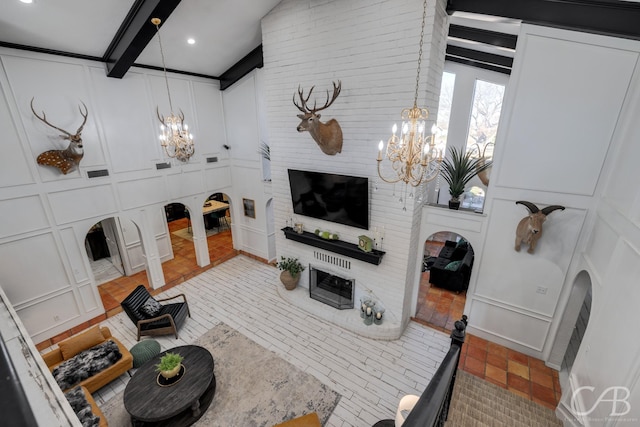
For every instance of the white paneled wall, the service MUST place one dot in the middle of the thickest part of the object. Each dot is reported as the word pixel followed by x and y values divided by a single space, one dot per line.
pixel 46 215
pixel 377 67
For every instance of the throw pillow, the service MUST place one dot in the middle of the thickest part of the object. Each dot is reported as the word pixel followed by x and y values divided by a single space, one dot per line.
pixel 151 307
pixel 77 343
pixel 453 266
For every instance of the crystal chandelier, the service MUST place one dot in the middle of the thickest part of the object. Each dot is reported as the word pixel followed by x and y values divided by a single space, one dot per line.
pixel 175 137
pixel 412 154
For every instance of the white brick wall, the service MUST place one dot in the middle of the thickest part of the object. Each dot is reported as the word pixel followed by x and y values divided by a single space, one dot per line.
pixel 372 47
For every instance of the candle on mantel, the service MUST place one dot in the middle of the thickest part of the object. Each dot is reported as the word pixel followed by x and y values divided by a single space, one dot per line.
pixel 378 315
pixel 368 311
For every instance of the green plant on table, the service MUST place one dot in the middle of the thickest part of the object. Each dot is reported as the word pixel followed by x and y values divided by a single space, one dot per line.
pixel 290 264
pixel 169 361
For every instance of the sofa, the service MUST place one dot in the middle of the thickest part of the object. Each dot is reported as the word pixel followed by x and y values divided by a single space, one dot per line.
pixel 81 403
pixel 85 340
pixel 452 268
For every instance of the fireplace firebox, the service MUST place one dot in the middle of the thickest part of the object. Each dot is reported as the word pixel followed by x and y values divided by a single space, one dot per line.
pixel 331 289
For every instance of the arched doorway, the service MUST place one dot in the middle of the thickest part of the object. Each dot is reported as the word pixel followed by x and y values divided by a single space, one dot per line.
pixel 447 264
pixel 573 325
pixel 116 256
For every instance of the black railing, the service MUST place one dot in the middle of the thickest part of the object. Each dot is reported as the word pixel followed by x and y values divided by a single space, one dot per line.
pixel 432 408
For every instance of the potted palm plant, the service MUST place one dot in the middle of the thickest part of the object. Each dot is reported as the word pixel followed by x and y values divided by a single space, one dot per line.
pixel 458 169
pixel 291 269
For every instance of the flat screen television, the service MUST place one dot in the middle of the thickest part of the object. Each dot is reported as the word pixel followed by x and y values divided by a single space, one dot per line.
pixel 337 198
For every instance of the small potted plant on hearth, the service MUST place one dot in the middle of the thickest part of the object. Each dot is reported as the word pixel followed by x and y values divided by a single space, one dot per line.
pixel 291 269
pixel 458 170
pixel 169 365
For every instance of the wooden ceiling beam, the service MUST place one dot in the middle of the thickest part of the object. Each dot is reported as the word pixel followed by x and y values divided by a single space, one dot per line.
pixel 609 17
pixel 135 32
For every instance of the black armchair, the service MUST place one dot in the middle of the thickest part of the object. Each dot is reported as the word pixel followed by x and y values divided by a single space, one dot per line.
pixel 163 320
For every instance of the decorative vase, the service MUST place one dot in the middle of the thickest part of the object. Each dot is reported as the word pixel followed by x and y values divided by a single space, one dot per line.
pixel 454 203
pixel 171 373
pixel 290 282
pixel 368 319
pixel 377 320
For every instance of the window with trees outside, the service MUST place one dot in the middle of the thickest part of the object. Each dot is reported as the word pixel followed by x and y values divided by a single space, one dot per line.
pixel 468 116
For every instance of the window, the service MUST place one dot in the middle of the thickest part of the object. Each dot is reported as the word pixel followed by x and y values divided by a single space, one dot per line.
pixel 468 117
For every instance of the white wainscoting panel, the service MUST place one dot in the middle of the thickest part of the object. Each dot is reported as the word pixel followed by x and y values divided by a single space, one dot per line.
pixel 22 215
pixel 75 254
pixel 60 101
pixel 127 121
pixel 184 184
pixel 600 248
pixel 241 117
pixel 218 177
pixel 88 295
pixel 508 324
pixel 576 112
pixel 14 162
pixel 514 277
pixel 48 313
pixel 208 100
pixel 141 192
pixel 82 203
pixel 36 268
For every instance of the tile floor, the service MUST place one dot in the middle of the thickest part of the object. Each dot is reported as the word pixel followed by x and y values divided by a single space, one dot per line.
pixel 182 267
pixel 517 372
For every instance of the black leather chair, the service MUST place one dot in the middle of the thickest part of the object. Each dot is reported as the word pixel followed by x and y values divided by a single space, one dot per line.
pixel 167 321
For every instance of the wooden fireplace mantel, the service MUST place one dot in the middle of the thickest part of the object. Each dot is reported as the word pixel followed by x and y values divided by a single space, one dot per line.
pixel 338 246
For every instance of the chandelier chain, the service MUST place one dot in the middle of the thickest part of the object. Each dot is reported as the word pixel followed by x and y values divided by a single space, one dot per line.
pixel 424 17
pixel 164 67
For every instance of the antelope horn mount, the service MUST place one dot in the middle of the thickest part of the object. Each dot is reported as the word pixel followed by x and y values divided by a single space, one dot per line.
pixel 69 158
pixel 327 135
pixel 529 228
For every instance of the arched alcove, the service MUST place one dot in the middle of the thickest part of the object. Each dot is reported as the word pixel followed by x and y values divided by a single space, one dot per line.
pixel 573 325
pixel 446 269
pixel 116 257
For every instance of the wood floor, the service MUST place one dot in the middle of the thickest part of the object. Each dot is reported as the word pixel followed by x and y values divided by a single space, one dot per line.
pixel 371 375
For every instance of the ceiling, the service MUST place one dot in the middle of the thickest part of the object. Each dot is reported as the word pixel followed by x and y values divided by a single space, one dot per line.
pixel 225 30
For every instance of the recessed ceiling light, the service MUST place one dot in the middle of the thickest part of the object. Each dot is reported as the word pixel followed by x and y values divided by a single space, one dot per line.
pixel 191 41
pixel 27 1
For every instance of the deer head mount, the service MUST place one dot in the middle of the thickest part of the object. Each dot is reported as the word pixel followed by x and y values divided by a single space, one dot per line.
pixel 327 135
pixel 529 228
pixel 69 158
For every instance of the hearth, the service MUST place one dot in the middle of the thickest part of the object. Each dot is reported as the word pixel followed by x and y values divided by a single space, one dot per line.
pixel 330 289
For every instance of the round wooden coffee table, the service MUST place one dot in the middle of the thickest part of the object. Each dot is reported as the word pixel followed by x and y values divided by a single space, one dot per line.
pixel 178 404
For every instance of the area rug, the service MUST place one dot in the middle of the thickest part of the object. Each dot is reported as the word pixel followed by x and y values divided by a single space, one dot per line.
pixel 254 386
pixel 186 234
pixel 478 403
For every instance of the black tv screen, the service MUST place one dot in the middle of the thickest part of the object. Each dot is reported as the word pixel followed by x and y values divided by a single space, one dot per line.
pixel 337 198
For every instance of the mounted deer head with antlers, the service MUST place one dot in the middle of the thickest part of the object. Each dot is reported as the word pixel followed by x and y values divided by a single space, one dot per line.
pixel 529 228
pixel 327 135
pixel 69 158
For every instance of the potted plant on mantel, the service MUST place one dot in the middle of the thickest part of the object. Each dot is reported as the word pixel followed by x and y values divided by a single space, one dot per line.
pixel 458 170
pixel 291 269
pixel 169 365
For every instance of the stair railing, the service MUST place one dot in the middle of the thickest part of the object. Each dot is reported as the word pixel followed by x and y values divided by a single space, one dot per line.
pixel 432 408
